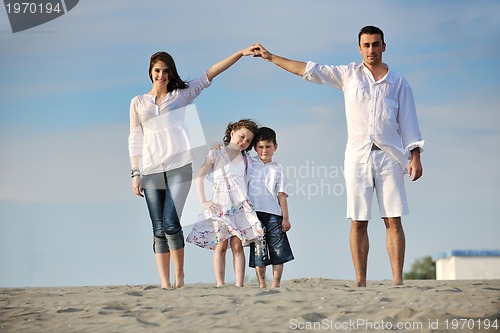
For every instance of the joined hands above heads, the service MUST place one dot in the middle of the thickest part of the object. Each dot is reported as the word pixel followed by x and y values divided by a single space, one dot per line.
pixel 259 51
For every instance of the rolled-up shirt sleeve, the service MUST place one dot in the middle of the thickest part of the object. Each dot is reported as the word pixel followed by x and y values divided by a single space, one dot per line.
pixel 136 136
pixel 408 122
pixel 322 74
pixel 195 87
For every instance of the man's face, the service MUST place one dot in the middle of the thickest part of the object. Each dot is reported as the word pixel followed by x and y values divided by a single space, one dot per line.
pixel 371 48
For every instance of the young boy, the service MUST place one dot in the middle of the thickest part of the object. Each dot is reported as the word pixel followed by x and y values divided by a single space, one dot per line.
pixel 267 193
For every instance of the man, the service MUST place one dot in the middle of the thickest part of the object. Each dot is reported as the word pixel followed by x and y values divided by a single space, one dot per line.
pixel 383 134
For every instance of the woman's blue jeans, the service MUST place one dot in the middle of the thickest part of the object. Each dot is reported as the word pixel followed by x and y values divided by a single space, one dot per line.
pixel 166 194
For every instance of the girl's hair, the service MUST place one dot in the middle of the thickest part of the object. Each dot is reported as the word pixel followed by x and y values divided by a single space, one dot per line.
pixel 174 80
pixel 243 123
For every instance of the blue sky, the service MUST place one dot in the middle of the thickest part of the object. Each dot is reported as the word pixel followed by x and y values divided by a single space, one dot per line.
pixel 67 212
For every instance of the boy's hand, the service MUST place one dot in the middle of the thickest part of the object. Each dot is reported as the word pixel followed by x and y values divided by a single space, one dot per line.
pixel 216 146
pixel 286 225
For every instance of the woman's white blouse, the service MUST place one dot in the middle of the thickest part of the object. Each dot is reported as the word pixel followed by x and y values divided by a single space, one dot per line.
pixel 158 132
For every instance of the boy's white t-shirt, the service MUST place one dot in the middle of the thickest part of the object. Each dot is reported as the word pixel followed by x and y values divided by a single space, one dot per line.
pixel 265 181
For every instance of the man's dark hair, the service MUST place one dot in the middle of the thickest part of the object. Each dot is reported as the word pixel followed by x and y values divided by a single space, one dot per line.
pixel 265 134
pixel 370 30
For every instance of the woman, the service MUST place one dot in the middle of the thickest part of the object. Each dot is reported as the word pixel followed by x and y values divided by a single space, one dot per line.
pixel 159 135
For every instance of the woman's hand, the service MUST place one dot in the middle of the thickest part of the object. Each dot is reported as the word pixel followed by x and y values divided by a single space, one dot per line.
pixel 253 50
pixel 221 66
pixel 260 51
pixel 137 186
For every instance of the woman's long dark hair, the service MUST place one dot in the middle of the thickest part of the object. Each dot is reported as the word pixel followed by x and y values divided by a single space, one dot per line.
pixel 174 80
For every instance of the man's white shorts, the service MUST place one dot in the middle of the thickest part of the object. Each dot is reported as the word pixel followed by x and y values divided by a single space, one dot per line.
pixel 383 174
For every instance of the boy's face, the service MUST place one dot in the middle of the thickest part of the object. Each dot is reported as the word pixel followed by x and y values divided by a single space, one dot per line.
pixel 265 150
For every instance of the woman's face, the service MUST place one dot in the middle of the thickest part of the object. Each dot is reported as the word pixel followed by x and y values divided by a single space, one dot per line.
pixel 159 73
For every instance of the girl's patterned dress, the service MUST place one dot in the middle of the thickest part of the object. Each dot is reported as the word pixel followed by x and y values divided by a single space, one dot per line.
pixel 237 216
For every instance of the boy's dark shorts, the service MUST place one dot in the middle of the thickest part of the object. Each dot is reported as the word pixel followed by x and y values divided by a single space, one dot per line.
pixel 274 248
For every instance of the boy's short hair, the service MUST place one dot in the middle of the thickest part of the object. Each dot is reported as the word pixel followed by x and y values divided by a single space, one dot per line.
pixel 265 134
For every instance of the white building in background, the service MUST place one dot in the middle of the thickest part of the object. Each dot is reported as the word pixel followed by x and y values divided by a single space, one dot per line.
pixel 468 265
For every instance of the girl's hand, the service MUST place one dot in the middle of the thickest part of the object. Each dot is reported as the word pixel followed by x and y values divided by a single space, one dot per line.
pixel 213 206
pixel 137 186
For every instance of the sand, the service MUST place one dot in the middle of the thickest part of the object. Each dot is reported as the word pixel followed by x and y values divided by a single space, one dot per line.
pixel 309 304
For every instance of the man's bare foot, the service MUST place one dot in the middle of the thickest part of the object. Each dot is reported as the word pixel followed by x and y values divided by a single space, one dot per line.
pixel 360 284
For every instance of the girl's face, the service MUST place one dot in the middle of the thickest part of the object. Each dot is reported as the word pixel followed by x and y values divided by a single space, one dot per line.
pixel 242 138
pixel 159 73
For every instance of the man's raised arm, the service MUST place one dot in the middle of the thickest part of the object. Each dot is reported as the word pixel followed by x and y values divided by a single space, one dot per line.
pixel 292 66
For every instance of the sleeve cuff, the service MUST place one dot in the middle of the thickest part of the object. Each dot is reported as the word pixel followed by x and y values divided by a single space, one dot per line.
pixel 419 144
pixel 205 82
pixel 308 71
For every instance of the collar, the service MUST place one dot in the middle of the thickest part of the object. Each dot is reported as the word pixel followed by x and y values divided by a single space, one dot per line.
pixel 389 77
pixel 256 159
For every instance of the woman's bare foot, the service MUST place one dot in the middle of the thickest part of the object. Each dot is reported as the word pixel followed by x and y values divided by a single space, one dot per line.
pixel 179 282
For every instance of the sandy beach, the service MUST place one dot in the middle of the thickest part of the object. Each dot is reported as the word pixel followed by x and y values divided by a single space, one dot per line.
pixel 309 304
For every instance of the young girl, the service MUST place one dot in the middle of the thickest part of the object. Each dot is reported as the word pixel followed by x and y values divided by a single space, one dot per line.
pixel 229 216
